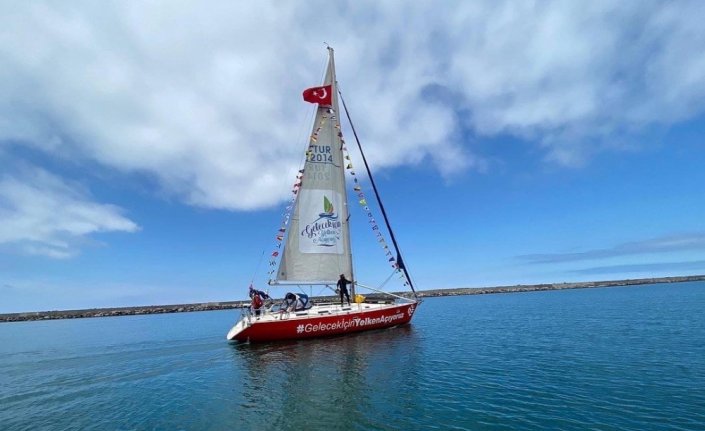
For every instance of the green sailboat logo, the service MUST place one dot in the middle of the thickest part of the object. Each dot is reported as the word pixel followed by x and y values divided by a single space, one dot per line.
pixel 328 210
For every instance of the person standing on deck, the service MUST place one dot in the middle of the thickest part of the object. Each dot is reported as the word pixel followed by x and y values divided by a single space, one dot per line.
pixel 257 302
pixel 343 289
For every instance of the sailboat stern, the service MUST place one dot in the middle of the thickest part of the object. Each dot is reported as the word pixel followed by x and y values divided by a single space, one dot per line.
pixel 236 332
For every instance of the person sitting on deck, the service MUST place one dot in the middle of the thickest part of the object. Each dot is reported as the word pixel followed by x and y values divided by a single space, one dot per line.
pixel 295 302
pixel 261 293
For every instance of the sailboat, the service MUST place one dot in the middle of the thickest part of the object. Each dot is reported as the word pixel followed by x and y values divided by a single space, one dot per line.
pixel 313 246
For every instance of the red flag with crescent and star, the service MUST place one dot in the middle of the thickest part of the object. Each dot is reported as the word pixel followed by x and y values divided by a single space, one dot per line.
pixel 321 95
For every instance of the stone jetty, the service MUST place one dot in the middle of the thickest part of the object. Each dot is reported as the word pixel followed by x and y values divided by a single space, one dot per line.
pixel 228 305
pixel 558 286
pixel 120 311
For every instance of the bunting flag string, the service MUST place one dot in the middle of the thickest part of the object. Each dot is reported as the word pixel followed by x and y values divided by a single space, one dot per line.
pixel 362 200
pixel 279 237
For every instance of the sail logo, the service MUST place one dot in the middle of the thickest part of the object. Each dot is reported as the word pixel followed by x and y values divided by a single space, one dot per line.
pixel 323 229
pixel 323 234
pixel 328 210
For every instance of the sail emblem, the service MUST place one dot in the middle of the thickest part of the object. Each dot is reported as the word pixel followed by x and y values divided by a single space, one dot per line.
pixel 328 210
pixel 320 231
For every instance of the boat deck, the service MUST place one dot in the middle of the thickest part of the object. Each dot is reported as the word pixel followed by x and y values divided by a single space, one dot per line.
pixel 322 309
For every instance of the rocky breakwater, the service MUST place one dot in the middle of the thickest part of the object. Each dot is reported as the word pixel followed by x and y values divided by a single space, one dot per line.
pixel 121 311
pixel 207 306
pixel 557 286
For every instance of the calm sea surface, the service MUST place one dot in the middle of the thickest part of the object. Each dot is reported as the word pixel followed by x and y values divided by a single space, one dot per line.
pixel 627 358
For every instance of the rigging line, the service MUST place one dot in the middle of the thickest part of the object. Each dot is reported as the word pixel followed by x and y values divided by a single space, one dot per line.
pixel 400 261
pixel 387 280
pixel 257 268
pixel 382 291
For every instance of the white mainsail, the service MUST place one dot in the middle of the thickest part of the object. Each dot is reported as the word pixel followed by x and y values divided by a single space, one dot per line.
pixel 317 248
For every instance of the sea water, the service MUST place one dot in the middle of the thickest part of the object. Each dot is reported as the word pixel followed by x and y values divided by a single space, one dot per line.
pixel 623 358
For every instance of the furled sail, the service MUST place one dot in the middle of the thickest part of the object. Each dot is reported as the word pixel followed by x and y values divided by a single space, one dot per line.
pixel 317 247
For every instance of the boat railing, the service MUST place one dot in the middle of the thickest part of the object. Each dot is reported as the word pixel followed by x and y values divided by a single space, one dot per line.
pixel 322 308
pixel 271 308
pixel 249 314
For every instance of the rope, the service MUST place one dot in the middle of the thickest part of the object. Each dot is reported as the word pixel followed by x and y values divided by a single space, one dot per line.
pixel 257 268
pixel 386 293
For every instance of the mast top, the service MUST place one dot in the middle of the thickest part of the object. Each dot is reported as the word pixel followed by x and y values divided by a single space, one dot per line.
pixel 330 51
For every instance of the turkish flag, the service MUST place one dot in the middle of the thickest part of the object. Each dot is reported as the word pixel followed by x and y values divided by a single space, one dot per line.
pixel 321 95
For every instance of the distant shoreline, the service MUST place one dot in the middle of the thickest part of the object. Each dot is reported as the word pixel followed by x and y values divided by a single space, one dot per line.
pixel 228 305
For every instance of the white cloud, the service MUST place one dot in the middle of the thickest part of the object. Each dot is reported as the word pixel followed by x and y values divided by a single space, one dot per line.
pixel 43 215
pixel 205 98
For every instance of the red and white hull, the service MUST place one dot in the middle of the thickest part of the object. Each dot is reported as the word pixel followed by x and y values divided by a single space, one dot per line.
pixel 320 321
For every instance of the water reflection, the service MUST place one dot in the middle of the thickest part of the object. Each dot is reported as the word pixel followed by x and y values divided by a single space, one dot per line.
pixel 322 382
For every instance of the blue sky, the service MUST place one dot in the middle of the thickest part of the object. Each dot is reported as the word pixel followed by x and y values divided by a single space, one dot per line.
pixel 147 150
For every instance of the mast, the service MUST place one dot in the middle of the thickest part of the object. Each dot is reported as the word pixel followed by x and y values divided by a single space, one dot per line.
pixel 346 223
